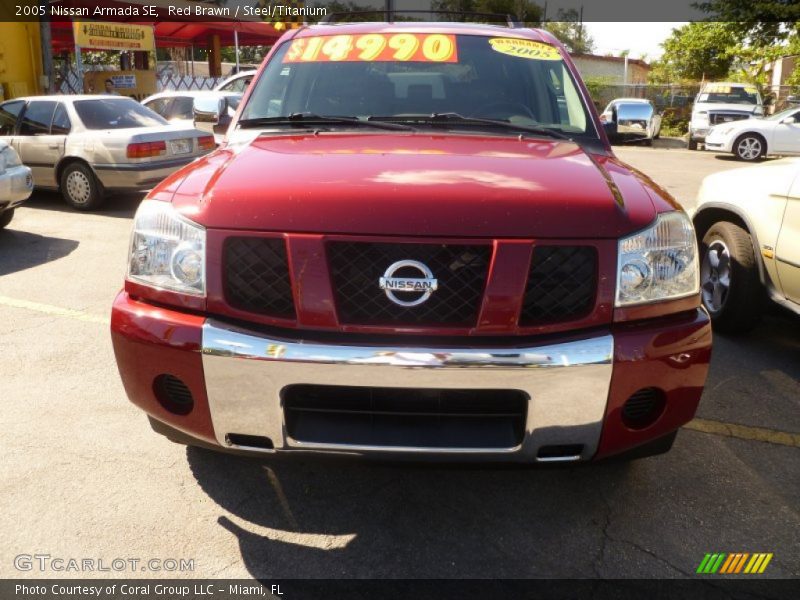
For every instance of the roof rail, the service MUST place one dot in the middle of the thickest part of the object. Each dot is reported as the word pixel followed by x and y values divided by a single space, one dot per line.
pixel 390 16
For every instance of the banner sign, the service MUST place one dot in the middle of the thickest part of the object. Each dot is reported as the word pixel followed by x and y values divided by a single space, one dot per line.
pixel 404 47
pixel 113 36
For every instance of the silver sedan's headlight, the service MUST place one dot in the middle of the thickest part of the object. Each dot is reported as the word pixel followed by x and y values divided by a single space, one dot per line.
pixel 167 250
pixel 659 263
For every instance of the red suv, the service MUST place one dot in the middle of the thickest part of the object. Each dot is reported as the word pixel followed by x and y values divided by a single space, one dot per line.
pixel 416 241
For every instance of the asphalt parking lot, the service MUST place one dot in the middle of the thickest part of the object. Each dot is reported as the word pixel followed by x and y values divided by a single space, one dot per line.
pixel 84 477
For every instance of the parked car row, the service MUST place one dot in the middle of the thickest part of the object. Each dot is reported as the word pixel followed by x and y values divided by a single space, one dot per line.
pixel 90 146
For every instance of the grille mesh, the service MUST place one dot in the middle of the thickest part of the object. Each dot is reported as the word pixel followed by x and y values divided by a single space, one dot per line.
pixel 356 268
pixel 257 276
pixel 561 284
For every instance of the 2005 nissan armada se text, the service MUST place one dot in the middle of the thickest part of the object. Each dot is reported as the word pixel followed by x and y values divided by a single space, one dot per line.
pixel 415 242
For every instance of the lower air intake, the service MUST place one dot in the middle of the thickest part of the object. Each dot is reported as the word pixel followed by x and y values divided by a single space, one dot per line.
pixel 405 418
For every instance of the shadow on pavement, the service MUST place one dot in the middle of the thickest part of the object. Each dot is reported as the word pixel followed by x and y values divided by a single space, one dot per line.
pixel 121 206
pixel 761 367
pixel 308 517
pixel 20 250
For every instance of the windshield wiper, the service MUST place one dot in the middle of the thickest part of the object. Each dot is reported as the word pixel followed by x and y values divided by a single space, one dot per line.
pixel 453 117
pixel 306 118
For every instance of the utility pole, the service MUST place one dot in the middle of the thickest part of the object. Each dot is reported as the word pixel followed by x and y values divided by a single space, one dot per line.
pixel 47 84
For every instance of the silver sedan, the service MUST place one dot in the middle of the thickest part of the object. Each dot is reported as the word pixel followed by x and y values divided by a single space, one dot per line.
pixel 89 145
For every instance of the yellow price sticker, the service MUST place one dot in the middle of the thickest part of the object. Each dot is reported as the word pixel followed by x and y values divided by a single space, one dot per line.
pixel 525 49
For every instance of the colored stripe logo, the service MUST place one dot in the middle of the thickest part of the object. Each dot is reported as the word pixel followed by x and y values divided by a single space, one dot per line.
pixel 734 563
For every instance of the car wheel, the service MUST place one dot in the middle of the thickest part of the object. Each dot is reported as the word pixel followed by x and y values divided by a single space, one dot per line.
pixel 5 218
pixel 692 144
pixel 80 187
pixel 729 284
pixel 750 147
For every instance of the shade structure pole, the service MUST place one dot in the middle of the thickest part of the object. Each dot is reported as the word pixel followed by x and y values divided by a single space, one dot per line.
pixel 236 46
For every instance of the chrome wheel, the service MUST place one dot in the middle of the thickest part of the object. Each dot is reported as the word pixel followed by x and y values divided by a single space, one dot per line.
pixel 749 148
pixel 79 187
pixel 715 276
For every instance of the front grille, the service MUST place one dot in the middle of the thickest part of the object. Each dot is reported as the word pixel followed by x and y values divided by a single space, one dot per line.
pixel 356 268
pixel 405 417
pixel 561 284
pixel 256 275
pixel 723 117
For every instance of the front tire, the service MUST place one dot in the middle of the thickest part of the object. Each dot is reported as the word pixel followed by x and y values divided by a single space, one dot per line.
pixel 729 283
pixel 80 187
pixel 692 145
pixel 5 218
pixel 750 147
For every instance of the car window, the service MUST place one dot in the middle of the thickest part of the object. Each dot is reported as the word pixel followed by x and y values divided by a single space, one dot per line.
pixel 37 117
pixel 416 74
pixel 61 122
pixel 116 113
pixel 182 108
pixel 159 105
pixel 237 85
pixel 8 116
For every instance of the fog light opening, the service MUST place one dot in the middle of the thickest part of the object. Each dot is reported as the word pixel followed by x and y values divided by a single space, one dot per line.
pixel 173 394
pixel 643 408
pixel 242 440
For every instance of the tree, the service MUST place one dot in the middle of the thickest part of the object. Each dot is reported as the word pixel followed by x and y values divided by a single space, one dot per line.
pixel 700 50
pixel 571 32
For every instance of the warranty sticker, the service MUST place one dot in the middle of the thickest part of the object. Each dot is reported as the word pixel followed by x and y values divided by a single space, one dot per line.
pixel 525 49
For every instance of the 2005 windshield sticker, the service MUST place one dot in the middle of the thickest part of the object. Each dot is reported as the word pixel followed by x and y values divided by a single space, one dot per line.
pixel 525 49
pixel 373 47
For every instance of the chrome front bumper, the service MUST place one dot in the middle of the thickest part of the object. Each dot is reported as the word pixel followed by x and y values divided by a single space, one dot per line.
pixel 567 384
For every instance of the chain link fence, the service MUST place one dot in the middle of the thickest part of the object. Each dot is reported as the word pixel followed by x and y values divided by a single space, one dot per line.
pixel 69 81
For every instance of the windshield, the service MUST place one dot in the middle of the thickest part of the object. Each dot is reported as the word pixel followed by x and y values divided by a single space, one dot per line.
pixel 116 113
pixel 726 94
pixel 403 75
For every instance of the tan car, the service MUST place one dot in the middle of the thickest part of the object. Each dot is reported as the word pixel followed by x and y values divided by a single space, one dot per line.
pixel 87 146
pixel 748 224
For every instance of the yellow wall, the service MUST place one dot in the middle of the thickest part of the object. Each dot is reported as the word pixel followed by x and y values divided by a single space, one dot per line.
pixel 20 59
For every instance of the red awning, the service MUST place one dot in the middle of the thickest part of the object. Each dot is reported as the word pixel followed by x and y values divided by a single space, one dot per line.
pixel 168 33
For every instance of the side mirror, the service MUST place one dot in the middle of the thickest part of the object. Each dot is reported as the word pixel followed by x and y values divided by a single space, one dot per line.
pixel 211 114
pixel 789 121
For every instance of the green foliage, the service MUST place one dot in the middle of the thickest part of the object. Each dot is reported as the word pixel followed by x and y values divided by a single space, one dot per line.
pixel 571 32
pixel 696 51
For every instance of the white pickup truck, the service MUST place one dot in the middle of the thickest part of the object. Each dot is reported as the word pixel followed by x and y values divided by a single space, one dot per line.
pixel 721 102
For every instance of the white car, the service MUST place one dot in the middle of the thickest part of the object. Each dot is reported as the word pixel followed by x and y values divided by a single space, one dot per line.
pixel 753 139
pixel 177 107
pixel 236 83
pixel 748 224
pixel 16 183
pixel 87 145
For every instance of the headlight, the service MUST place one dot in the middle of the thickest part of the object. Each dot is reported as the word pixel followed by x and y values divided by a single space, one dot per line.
pixel 9 158
pixel 167 250
pixel 726 130
pixel 659 263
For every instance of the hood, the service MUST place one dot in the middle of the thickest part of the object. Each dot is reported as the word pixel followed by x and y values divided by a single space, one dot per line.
pixel 411 184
